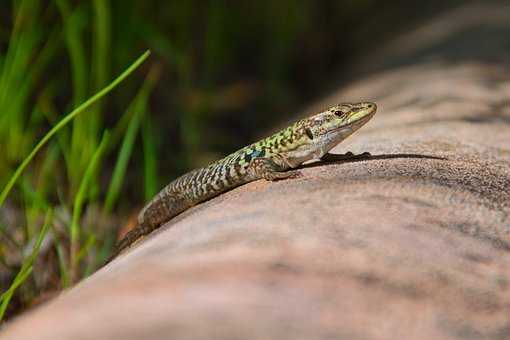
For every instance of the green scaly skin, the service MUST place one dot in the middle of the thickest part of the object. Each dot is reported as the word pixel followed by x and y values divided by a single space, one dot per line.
pixel 270 159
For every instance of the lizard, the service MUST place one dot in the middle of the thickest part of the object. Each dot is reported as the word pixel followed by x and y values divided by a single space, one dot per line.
pixel 272 158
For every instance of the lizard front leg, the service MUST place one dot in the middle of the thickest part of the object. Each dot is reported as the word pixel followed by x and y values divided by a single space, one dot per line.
pixel 270 170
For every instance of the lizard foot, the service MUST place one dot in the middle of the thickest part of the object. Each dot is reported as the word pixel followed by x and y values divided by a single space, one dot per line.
pixel 277 176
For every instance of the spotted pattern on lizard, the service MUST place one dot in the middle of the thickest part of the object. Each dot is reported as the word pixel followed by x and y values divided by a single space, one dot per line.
pixel 272 158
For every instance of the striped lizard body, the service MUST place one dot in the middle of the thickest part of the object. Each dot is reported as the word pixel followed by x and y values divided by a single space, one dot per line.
pixel 270 159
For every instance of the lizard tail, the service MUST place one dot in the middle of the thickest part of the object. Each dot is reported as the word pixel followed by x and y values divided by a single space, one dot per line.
pixel 162 208
pixel 127 240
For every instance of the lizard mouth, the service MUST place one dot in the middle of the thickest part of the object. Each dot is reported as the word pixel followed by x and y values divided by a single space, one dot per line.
pixel 354 125
pixel 364 119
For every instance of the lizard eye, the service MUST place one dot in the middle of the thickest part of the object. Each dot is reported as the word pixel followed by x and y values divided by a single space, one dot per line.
pixel 338 113
pixel 309 133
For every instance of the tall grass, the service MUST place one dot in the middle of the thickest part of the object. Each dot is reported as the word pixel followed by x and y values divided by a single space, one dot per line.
pixel 66 120
pixel 75 229
pixel 26 267
pixel 66 164
pixel 94 162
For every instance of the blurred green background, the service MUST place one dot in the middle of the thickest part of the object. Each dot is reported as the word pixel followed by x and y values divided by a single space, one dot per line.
pixel 220 74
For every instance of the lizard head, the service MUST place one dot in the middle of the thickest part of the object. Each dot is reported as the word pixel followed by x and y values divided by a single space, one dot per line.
pixel 313 137
pixel 339 121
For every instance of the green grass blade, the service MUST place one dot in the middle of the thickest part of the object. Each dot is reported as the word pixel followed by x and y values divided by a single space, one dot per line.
pixel 12 51
pixel 15 78
pixel 74 24
pixel 66 120
pixel 150 158
pixel 78 204
pixel 7 296
pixel 63 268
pixel 139 107
pixel 122 161
pixel 102 42
pixel 85 250
pixel 82 143
pixel 26 267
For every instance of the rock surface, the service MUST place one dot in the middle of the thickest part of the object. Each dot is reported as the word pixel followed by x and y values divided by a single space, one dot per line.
pixel 400 246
